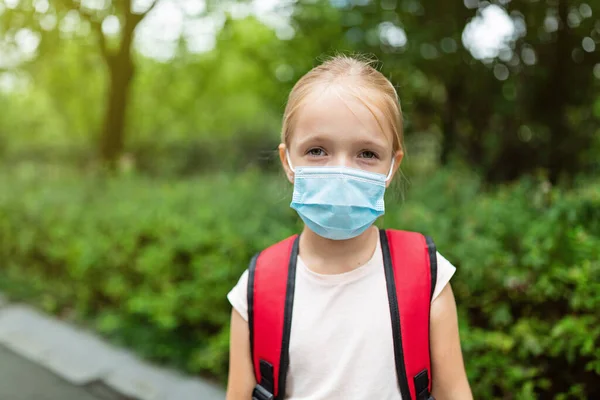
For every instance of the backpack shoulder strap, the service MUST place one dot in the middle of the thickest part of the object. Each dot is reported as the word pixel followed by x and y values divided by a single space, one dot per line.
pixel 271 279
pixel 410 271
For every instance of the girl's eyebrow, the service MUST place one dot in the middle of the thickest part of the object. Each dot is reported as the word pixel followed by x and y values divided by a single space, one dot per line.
pixel 372 143
pixel 318 137
pixel 313 138
pixel 379 146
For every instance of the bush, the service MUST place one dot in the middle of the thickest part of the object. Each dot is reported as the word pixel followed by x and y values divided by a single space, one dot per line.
pixel 528 281
pixel 149 263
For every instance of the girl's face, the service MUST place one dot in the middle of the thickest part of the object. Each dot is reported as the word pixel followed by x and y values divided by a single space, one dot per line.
pixel 335 129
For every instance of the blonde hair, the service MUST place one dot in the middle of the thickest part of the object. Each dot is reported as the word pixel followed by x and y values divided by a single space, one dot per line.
pixel 368 85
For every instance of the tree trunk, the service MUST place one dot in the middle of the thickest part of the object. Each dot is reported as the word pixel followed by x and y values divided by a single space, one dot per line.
pixel 121 73
pixel 449 122
pixel 558 159
pixel 113 132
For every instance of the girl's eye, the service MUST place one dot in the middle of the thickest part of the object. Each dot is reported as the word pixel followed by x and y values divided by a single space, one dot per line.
pixel 316 152
pixel 368 154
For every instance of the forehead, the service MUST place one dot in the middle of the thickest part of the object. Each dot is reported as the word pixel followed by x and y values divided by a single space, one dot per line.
pixel 336 113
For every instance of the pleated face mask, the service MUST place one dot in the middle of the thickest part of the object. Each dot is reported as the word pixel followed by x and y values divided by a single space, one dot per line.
pixel 338 203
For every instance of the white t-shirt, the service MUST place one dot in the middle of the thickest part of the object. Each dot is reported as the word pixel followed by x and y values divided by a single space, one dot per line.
pixel 341 344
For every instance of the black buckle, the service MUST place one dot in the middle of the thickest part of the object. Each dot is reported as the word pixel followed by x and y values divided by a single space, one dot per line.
pixel 260 393
pixel 421 381
pixel 264 390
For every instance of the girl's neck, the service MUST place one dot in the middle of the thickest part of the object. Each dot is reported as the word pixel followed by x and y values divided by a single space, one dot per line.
pixel 326 256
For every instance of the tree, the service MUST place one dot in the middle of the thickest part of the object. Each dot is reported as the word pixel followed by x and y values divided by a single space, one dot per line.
pixel 516 113
pixel 556 82
pixel 117 57
pixel 121 70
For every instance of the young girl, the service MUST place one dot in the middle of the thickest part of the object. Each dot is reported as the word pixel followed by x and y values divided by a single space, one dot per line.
pixel 343 117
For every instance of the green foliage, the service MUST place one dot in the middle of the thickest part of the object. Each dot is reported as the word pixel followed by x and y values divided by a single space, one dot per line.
pixel 534 114
pixel 528 258
pixel 149 264
pixel 219 111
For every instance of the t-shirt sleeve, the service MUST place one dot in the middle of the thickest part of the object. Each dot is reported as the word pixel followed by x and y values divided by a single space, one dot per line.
pixel 445 270
pixel 238 296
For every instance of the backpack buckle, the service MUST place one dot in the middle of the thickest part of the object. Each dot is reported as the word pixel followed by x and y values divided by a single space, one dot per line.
pixel 264 390
pixel 260 393
pixel 421 381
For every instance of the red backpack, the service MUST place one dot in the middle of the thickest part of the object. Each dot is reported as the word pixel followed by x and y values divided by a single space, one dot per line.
pixel 409 260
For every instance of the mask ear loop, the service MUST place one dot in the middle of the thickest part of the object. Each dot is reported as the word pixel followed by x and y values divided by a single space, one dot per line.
pixel 287 156
pixel 389 175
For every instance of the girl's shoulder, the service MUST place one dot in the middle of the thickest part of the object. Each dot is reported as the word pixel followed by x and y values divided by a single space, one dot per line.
pixel 238 296
pixel 445 271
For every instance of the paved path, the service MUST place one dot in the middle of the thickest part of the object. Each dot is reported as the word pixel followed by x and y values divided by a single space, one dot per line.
pixel 42 358
pixel 21 379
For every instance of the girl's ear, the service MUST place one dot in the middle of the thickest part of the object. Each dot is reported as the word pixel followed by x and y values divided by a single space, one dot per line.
pixel 398 156
pixel 283 154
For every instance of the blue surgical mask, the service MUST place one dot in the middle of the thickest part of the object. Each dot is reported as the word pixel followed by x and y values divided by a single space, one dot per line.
pixel 338 203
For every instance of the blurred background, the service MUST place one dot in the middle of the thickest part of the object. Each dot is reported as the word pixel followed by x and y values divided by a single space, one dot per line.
pixel 138 172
